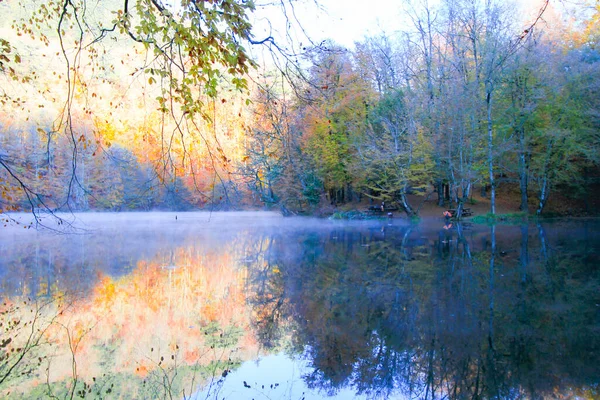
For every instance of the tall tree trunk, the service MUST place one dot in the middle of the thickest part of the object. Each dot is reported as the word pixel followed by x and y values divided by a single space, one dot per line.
pixel 523 182
pixel 406 205
pixel 466 191
pixel 523 172
pixel 544 192
pixel 490 133
pixel 545 189
pixel 440 191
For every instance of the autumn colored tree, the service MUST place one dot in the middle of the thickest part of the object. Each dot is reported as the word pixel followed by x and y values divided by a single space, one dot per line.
pixel 180 54
pixel 549 108
pixel 335 115
pixel 396 158
pixel 144 103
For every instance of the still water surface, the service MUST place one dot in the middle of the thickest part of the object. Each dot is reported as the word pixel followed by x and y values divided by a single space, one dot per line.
pixel 243 305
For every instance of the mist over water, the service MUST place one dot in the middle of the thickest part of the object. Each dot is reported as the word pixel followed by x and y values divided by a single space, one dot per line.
pixel 241 305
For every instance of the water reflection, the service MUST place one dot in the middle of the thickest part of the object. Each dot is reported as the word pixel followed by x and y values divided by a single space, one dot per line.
pixel 459 313
pixel 369 309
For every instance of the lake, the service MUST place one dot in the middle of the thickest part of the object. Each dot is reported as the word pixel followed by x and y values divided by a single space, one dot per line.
pixel 253 305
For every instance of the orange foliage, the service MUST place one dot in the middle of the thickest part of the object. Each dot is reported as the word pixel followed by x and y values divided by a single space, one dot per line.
pixel 105 291
pixel 157 311
pixel 142 370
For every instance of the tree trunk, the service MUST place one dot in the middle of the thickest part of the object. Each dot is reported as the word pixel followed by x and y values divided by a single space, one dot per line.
pixel 466 190
pixel 491 150
pixel 544 192
pixel 459 208
pixel 406 206
pixel 545 189
pixel 523 175
pixel 285 211
pixel 440 190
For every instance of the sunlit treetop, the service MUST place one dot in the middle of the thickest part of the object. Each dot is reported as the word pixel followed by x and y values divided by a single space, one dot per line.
pixel 67 65
pixel 190 48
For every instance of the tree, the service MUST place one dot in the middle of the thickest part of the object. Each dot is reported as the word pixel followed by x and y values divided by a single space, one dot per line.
pixel 522 92
pixel 394 152
pixel 550 110
pixel 395 157
pixel 274 166
pixel 485 32
pixel 179 53
pixel 334 116
pixel 566 140
pixel 263 163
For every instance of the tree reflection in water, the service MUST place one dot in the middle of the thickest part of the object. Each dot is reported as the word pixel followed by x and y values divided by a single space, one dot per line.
pixel 386 311
pixel 174 321
pixel 464 314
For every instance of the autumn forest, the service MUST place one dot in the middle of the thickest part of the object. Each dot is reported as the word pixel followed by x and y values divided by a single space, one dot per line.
pixel 145 105
pixel 346 163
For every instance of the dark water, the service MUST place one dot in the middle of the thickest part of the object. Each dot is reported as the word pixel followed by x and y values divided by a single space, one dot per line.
pixel 243 306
